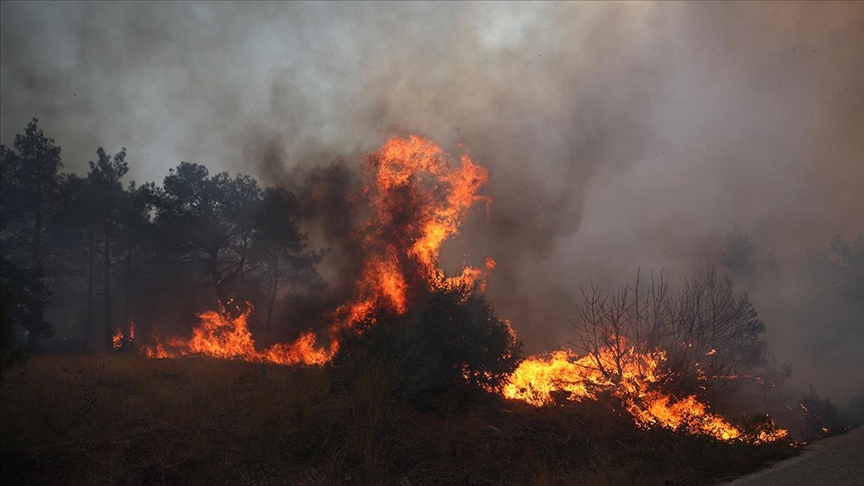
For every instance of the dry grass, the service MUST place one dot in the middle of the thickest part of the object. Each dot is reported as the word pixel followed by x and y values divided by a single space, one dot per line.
pixel 127 420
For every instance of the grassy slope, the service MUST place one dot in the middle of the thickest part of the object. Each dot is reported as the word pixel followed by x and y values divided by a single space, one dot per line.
pixel 123 419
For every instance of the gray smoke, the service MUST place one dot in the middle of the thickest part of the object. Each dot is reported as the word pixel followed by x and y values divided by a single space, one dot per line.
pixel 616 135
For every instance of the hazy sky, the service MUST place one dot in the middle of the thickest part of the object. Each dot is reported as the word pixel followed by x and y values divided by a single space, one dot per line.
pixel 615 135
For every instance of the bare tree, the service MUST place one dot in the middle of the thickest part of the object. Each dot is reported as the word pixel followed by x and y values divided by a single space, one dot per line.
pixel 717 333
pixel 615 326
pixel 708 332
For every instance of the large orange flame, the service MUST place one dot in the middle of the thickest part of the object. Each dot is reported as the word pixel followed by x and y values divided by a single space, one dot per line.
pixel 417 200
pixel 631 376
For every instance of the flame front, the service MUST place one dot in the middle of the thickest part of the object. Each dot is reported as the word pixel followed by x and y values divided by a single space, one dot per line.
pixel 219 336
pixel 629 375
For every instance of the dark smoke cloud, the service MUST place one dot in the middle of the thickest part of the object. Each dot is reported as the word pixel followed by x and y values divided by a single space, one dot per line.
pixel 616 135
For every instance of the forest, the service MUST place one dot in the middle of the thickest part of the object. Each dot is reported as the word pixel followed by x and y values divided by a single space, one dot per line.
pixel 89 255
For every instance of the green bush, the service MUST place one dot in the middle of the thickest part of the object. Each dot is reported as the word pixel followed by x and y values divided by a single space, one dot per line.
pixel 449 345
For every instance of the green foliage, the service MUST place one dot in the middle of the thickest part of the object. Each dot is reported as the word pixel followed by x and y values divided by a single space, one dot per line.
pixel 449 343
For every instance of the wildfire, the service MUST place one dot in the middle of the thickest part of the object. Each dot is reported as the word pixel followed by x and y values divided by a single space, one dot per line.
pixel 417 200
pixel 221 337
pixel 627 374
pixel 117 338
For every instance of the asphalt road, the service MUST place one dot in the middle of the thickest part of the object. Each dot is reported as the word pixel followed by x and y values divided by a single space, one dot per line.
pixel 835 461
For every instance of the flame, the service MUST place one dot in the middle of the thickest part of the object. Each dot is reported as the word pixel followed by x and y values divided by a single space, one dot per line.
pixel 417 200
pixel 221 337
pixel 629 375
pixel 117 338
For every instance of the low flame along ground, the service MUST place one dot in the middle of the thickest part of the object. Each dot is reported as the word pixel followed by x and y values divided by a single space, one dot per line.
pixel 418 200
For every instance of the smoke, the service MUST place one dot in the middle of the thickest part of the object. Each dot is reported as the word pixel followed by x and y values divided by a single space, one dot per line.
pixel 616 135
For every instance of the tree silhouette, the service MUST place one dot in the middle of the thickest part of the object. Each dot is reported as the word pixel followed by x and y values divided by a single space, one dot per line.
pixel 207 222
pixel 104 177
pixel 32 194
pixel 449 342
pixel 278 247
pixel 708 331
pixel 137 233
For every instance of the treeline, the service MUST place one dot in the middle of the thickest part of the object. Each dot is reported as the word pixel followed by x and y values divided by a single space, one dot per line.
pixel 820 298
pixel 85 256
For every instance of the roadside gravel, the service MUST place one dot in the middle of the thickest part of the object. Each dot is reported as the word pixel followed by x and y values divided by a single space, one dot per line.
pixel 835 461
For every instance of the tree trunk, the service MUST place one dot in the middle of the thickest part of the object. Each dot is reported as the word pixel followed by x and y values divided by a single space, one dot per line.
pixel 274 281
pixel 91 253
pixel 126 316
pixel 37 313
pixel 216 276
pixel 109 328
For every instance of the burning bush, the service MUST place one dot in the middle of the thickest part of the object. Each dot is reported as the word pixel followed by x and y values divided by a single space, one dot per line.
pixel 660 355
pixel 710 334
pixel 449 343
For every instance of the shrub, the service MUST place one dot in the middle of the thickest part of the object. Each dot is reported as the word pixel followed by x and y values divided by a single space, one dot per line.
pixel 855 411
pixel 822 417
pixel 449 344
